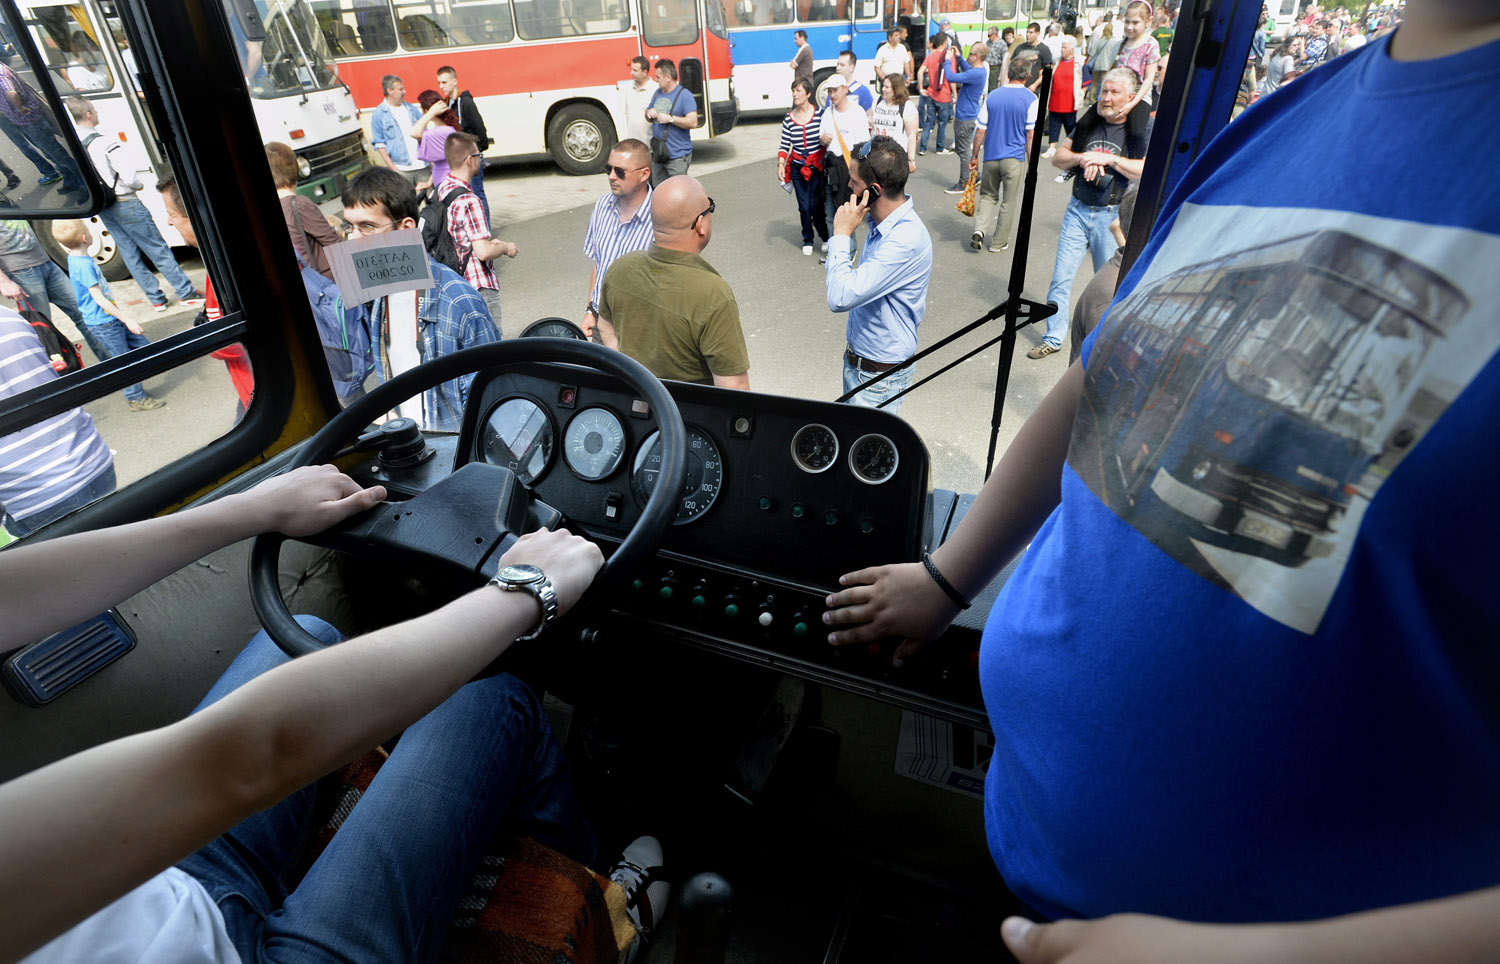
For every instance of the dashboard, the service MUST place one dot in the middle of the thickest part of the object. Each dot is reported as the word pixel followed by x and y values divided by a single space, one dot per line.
pixel 782 496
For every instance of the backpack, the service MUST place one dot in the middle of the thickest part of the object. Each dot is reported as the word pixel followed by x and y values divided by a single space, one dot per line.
pixel 63 355
pixel 436 237
pixel 113 197
pixel 343 331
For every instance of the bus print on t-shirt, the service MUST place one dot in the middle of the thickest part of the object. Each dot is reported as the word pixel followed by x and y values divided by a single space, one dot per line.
pixel 1243 405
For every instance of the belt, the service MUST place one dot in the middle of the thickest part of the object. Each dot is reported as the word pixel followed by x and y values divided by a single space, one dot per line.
pixel 866 365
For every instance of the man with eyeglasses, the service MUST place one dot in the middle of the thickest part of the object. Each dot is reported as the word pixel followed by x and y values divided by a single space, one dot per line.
pixel 468 222
pixel 668 308
pixel 417 326
pixel 638 94
pixel 621 222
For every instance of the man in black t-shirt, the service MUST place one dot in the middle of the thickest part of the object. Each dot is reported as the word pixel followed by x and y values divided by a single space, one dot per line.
pixel 1041 54
pixel 1107 148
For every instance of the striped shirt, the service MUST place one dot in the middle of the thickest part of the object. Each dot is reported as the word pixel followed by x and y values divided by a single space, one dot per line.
pixel 800 142
pixel 46 463
pixel 607 238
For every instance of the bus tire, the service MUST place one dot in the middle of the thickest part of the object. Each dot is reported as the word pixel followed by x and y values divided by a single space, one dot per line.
pixel 820 89
pixel 580 137
pixel 104 249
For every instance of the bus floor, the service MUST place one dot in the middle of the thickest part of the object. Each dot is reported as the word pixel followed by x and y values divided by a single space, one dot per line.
pixel 830 854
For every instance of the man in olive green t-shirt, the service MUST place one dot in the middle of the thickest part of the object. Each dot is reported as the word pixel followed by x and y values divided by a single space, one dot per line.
pixel 668 308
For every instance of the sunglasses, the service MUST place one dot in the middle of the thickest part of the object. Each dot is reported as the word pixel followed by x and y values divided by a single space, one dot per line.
pixel 706 211
pixel 620 172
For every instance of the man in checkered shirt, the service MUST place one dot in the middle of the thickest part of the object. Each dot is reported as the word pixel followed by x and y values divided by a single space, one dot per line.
pixel 469 225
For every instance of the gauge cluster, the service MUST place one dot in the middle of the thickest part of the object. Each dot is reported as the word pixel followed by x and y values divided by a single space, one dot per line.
pixel 806 490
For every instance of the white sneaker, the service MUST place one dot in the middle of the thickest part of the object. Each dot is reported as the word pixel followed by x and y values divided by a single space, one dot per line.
pixel 825 247
pixel 807 250
pixel 1049 152
pixel 639 873
pixel 1061 178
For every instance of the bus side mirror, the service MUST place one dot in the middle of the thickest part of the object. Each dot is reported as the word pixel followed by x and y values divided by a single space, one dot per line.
pixel 249 18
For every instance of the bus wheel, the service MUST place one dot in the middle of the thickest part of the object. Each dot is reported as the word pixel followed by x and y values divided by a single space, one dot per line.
pixel 580 137
pixel 103 247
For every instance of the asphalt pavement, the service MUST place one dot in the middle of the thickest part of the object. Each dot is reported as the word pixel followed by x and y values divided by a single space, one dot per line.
pixel 794 340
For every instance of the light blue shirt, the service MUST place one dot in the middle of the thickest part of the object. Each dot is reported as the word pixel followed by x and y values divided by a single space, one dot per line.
pixel 388 131
pixel 887 294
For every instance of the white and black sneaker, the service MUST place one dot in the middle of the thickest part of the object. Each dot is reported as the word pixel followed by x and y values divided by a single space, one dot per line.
pixel 639 874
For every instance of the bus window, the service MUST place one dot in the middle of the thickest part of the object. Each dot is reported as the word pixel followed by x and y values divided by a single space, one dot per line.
pixel 293 58
pixel 718 25
pixel 957 6
pixel 758 13
pixel 354 27
pixel 70 45
pixel 816 11
pixel 546 19
pixel 437 24
pixel 1003 11
pixel 666 23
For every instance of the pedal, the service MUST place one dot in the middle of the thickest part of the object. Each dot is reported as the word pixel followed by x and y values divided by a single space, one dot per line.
pixel 45 670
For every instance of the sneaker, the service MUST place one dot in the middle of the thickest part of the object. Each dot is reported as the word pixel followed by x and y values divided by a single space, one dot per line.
pixel 1062 178
pixel 956 189
pixel 825 247
pixel 807 250
pixel 1049 152
pixel 944 150
pixel 147 404
pixel 49 178
pixel 976 240
pixel 921 152
pixel 159 306
pixel 194 300
pixel 639 874
pixel 999 245
pixel 1043 350
pixel 12 182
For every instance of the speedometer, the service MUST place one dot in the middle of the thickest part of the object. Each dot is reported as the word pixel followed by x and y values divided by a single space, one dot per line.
pixel 594 444
pixel 815 448
pixel 873 459
pixel 705 473
pixel 518 436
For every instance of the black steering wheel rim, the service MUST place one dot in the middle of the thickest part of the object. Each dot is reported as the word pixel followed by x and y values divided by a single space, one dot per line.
pixel 643 538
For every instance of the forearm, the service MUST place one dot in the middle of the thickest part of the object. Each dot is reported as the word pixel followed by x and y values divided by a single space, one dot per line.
pixel 488 249
pixel 385 156
pixel 109 306
pixel 1066 157
pixel 1025 487
pixel 607 334
pixel 1454 930
pixel 1132 168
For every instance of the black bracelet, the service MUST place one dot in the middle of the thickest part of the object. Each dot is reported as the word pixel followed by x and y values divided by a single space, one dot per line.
pixel 943 584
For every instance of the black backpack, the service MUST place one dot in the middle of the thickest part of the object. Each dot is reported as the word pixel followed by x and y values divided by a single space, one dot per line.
pixel 436 237
pixel 62 354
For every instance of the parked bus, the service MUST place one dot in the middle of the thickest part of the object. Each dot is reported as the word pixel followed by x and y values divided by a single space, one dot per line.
pixel 761 33
pixel 1338 342
pixel 546 75
pixel 296 94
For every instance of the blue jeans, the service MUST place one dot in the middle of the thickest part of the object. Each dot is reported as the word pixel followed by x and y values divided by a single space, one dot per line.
pixel 1084 228
pixel 387 886
pixel 42 145
pixel 872 397
pixel 100 486
pixel 810 205
pixel 135 232
pixel 938 114
pixel 477 186
pixel 45 285
pixel 115 339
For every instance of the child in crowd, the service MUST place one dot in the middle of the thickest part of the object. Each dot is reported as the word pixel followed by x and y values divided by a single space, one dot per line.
pixel 115 332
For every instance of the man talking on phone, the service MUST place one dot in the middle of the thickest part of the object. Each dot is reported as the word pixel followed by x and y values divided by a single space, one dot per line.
pixel 886 295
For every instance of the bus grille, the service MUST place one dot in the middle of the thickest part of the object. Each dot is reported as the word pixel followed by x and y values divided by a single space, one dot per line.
pixel 1258 492
pixel 335 155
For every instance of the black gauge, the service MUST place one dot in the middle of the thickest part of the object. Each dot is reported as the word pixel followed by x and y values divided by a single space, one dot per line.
pixel 873 459
pixel 554 328
pixel 594 444
pixel 815 448
pixel 519 436
pixel 705 473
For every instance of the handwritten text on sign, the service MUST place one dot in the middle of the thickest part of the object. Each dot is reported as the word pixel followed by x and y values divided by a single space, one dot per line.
pixel 376 265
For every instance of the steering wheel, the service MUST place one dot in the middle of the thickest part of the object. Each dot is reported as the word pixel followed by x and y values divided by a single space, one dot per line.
pixel 485 504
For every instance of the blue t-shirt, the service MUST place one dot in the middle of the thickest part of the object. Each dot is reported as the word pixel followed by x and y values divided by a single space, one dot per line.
pixel 679 103
pixel 1248 669
pixel 85 275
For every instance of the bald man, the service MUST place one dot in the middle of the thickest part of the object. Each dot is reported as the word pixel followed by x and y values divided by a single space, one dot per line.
pixel 668 308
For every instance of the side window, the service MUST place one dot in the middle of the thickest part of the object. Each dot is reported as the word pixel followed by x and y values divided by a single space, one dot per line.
pixel 71 46
pixel 355 27
pixel 438 23
pixel 758 13
pixel 957 6
pixel 819 11
pixel 423 26
pixel 545 19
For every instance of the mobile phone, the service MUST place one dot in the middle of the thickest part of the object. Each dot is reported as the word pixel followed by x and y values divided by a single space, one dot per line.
pixel 870 194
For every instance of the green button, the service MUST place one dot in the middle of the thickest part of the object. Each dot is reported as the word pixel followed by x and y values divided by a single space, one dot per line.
pixel 796 510
pixel 731 610
pixel 830 517
pixel 665 592
pixel 699 602
pixel 765 502
pixel 637 585
pixel 800 629
pixel 865 525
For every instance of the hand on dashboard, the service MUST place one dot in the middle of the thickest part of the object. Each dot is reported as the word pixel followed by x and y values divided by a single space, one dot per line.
pixel 883 601
pixel 569 561
pixel 306 500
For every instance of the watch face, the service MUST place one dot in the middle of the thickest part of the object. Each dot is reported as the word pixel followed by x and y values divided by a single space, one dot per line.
pixel 519 574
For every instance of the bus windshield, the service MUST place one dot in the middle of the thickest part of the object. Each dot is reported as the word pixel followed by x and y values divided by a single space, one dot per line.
pixel 294 58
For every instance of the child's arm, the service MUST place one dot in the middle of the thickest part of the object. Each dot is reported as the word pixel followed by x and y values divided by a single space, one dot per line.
pixel 97 293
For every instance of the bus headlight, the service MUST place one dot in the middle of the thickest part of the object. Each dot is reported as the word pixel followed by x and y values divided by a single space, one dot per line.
pixel 1201 470
pixel 304 169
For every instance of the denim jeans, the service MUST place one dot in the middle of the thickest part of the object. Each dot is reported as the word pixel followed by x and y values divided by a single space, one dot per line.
pixel 116 339
pixel 1058 122
pixel 1084 228
pixel 938 114
pixel 45 285
pixel 810 207
pixel 387 886
pixel 97 488
pixel 42 145
pixel 477 186
pixel 872 397
pixel 135 232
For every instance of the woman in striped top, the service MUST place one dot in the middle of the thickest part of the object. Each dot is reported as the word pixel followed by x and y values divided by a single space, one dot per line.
pixel 800 163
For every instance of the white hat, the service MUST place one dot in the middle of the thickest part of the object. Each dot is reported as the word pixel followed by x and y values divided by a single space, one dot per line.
pixel 836 79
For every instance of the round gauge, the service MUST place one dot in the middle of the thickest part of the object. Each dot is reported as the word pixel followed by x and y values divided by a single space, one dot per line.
pixel 594 444
pixel 873 459
pixel 518 436
pixel 554 328
pixel 815 448
pixel 705 473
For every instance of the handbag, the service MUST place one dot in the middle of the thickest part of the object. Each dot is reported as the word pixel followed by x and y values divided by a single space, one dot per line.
pixel 63 355
pixel 971 190
pixel 659 151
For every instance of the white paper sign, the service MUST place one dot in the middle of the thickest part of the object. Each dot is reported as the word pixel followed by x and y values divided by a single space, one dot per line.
pixel 375 265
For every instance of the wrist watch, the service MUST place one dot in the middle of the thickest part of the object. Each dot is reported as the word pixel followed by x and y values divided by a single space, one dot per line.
pixel 529 579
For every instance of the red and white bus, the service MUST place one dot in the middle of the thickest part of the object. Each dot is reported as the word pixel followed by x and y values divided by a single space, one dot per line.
pixel 547 75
